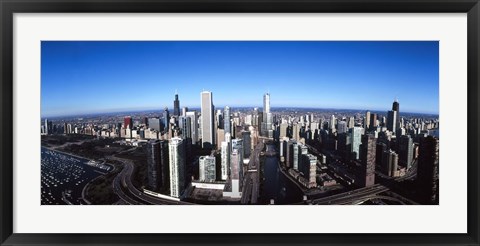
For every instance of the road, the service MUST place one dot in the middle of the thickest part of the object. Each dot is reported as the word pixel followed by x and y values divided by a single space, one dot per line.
pixel 351 196
pixel 251 181
pixel 125 189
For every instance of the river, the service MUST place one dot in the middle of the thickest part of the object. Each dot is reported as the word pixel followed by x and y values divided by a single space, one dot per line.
pixel 276 185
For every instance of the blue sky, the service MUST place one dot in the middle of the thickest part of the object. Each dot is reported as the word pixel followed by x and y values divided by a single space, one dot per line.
pixel 108 76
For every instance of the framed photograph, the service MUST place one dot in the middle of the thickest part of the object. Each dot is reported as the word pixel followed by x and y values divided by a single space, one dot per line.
pixel 265 122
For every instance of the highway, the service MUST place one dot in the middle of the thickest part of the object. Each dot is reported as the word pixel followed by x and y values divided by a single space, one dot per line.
pixel 125 189
pixel 351 196
pixel 251 180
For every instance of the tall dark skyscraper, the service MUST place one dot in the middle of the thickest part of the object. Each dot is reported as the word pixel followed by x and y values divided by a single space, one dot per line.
pixel 389 162
pixel 145 121
pixel 396 108
pixel 158 165
pixel 373 122
pixel 165 164
pixel 427 173
pixel 392 121
pixel 405 151
pixel 166 120
pixel 176 106
pixel 154 165
pixel 367 155
pixel 247 144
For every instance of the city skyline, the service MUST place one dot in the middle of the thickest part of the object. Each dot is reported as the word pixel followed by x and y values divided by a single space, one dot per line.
pixel 359 155
pixel 108 77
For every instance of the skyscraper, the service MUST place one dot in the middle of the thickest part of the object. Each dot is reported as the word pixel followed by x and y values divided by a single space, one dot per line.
pixel 351 122
pixel 154 123
pixel 177 166
pixel 176 106
pixel 396 108
pixel 295 155
pixel 225 163
pixel 185 124
pixel 366 121
pixel 356 140
pixel 373 122
pixel 389 162
pixel 266 103
pixel 332 124
pixel 308 164
pixel 194 125
pixel 184 111
pixel 127 122
pixel 237 144
pixel 153 165
pixel 405 151
pixel 226 120
pixel 295 132
pixel 207 119
pixel 166 120
pixel 207 170
pixel 164 163
pixel 235 168
pixel 392 121
pixel 247 143
pixel 396 105
pixel 289 153
pixel 157 164
pixel 342 127
pixel 267 117
pixel 219 120
pixel 427 173
pixel 283 130
pixel 367 156
pixel 46 127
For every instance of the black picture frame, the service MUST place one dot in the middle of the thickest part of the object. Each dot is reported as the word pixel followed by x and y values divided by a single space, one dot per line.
pixel 9 7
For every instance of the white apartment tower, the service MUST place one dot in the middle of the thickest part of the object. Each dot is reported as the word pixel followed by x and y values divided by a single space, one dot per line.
pixel 177 166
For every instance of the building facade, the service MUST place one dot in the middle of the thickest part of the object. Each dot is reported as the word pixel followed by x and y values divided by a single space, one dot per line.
pixel 207 111
pixel 177 166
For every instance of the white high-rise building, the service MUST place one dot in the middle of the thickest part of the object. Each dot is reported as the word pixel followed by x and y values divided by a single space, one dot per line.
pixel 226 120
pixel 267 117
pixel 225 155
pixel 207 109
pixel 332 124
pixel 356 138
pixel 46 127
pixel 266 103
pixel 177 166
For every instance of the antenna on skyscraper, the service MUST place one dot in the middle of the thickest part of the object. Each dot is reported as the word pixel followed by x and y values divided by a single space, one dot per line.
pixel 176 92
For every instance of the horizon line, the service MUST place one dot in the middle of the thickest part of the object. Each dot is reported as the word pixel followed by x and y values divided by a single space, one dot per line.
pixel 113 111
